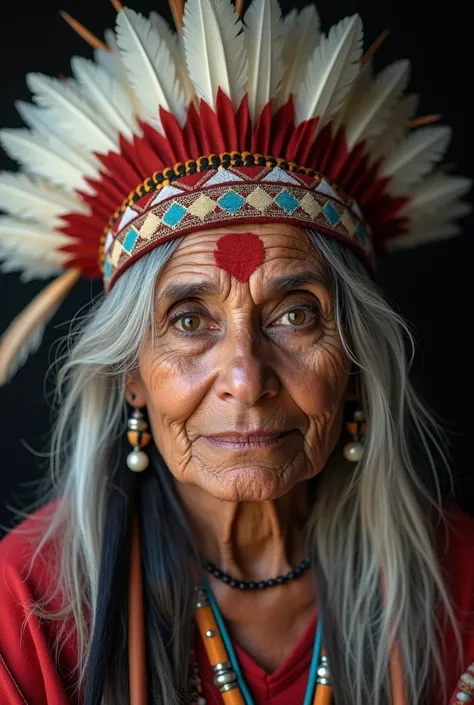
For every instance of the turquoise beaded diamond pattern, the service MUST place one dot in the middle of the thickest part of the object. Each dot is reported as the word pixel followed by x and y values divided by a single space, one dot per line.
pixel 231 201
pixel 174 215
pixel 331 213
pixel 287 201
pixel 130 240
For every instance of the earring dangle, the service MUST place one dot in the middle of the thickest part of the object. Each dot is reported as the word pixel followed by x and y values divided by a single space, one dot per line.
pixel 354 450
pixel 138 437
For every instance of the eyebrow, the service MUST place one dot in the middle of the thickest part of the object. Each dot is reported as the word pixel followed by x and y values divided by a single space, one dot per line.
pixel 193 290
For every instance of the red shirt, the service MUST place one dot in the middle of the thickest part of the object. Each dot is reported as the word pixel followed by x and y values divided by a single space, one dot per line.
pixel 30 675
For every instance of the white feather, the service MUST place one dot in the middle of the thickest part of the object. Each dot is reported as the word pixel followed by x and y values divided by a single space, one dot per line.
pixel 396 128
pixel 301 35
pixel 47 157
pixel 263 43
pixel 37 199
pixel 215 52
pixel 355 95
pixel 110 60
pixel 34 240
pixel 106 95
pixel 32 267
pixel 175 45
pixel 112 63
pixel 36 118
pixel 436 194
pixel 30 346
pixel 331 72
pixel 151 70
pixel 416 157
pixel 373 111
pixel 442 231
pixel 74 117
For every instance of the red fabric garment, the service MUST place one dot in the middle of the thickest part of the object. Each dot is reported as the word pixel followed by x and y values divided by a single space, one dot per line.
pixel 29 674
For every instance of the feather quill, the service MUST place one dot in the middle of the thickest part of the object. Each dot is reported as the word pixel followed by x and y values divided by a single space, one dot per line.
pixel 37 199
pixel 48 157
pixel 215 52
pixel 263 43
pixel 331 72
pixel 74 117
pixel 301 35
pixel 24 335
pixel 175 45
pixel 435 195
pixel 416 157
pixel 106 95
pixel 150 67
pixel 373 111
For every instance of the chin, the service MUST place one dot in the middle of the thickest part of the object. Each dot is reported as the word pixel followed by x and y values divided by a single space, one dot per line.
pixel 249 483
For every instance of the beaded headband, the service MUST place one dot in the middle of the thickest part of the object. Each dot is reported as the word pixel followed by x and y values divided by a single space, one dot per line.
pixel 255 119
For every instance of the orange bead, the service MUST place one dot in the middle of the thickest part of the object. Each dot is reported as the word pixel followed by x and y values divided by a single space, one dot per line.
pixel 138 438
pixel 323 695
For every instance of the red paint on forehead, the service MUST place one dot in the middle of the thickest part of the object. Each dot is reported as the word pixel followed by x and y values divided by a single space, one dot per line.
pixel 239 254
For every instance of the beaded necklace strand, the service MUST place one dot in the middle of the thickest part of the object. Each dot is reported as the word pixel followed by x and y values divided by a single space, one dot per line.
pixel 228 676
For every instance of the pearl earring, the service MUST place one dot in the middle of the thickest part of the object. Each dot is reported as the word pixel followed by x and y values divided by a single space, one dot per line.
pixel 354 451
pixel 137 460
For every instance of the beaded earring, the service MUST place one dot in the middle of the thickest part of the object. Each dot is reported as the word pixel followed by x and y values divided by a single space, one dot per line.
pixel 354 450
pixel 138 437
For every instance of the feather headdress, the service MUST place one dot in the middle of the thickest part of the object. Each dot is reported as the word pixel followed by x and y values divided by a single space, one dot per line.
pixel 262 118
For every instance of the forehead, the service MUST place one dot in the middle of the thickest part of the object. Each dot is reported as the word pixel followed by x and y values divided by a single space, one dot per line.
pixel 285 250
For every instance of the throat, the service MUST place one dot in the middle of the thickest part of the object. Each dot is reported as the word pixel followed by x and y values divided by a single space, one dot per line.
pixel 249 541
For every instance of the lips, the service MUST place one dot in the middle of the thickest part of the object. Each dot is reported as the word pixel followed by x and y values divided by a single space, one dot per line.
pixel 249 440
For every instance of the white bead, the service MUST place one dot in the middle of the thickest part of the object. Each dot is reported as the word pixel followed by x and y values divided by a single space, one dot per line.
pixel 137 461
pixel 468 679
pixel 463 697
pixel 353 451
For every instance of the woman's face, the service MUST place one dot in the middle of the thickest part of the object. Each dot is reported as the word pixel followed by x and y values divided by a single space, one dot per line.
pixel 246 380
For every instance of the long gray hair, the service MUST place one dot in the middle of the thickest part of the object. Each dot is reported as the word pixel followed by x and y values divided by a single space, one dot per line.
pixel 372 520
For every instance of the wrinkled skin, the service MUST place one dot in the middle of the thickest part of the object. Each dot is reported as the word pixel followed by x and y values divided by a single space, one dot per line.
pixel 236 358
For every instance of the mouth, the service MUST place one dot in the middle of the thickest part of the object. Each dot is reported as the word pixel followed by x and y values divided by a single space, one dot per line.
pixel 248 441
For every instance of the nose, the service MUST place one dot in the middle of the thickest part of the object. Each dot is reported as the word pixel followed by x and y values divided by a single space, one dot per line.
pixel 247 377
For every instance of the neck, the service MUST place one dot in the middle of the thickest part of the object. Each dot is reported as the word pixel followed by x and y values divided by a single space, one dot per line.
pixel 249 540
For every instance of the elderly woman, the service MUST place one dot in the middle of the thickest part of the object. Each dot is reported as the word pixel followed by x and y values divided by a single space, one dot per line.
pixel 242 507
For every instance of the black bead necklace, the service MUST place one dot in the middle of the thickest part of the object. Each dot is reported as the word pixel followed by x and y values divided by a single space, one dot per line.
pixel 257 584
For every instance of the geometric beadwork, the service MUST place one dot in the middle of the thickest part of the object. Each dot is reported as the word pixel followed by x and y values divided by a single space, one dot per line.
pixel 287 202
pixel 331 213
pixel 231 201
pixel 174 215
pixel 130 240
pixel 228 196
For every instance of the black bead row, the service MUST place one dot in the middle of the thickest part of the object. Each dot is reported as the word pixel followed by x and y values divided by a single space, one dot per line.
pixel 213 161
pixel 258 585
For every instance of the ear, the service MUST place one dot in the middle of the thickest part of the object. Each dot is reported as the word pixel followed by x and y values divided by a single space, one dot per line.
pixel 135 390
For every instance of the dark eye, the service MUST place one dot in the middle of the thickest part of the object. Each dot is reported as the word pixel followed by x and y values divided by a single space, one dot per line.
pixel 189 323
pixel 295 317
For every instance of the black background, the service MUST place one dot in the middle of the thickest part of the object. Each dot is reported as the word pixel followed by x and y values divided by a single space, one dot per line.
pixel 431 287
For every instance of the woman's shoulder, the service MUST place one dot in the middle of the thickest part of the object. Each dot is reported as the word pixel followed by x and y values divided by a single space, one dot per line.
pixel 28 561
pixel 29 671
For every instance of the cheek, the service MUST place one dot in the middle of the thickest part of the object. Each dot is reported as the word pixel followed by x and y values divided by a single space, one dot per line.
pixel 175 386
pixel 318 383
